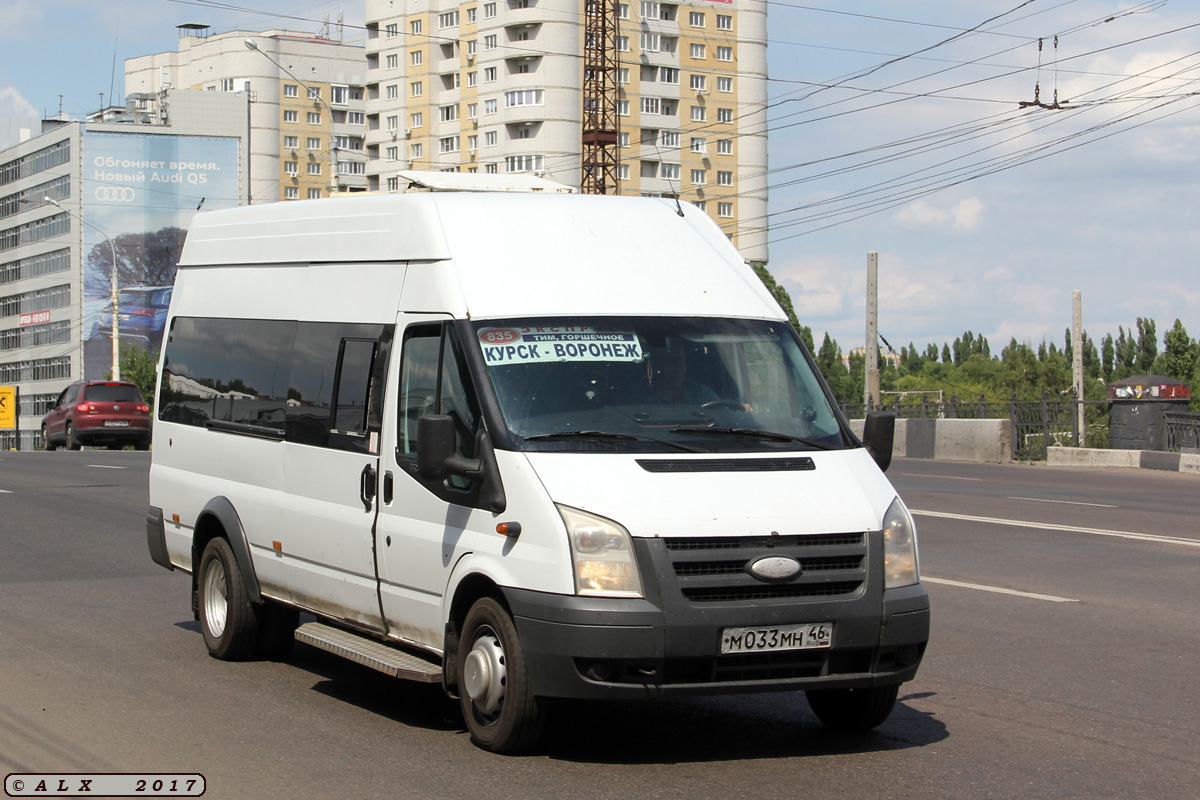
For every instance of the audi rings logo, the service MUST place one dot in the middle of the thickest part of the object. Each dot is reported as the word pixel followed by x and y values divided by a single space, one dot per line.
pixel 115 194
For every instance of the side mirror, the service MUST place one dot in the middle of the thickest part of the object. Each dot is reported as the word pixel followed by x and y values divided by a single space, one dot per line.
pixel 438 458
pixel 435 445
pixel 879 435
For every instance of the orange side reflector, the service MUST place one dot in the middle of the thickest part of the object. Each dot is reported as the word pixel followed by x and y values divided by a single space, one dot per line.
pixel 278 546
pixel 508 528
pixel 175 519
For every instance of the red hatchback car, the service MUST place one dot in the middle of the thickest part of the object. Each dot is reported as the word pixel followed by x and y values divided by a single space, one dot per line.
pixel 110 413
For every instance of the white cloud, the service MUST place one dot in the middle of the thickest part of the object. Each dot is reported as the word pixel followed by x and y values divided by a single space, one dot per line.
pixel 965 215
pixel 12 104
pixel 921 215
pixel 968 213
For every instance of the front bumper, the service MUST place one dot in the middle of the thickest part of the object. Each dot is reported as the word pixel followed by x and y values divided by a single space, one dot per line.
pixel 669 644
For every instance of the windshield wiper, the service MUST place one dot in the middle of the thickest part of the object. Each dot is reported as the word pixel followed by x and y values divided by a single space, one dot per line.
pixel 608 435
pixel 758 434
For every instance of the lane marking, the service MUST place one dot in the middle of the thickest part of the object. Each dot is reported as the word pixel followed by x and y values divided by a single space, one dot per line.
pixel 1064 502
pixel 104 466
pixel 5 491
pixel 1048 526
pixel 999 590
pixel 938 477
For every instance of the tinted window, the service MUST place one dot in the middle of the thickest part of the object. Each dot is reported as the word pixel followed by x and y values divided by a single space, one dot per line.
pixel 434 380
pixel 277 374
pixel 424 389
pixel 103 393
pixel 657 383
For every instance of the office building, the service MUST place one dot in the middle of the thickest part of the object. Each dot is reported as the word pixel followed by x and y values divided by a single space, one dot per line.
pixel 80 197
pixel 303 90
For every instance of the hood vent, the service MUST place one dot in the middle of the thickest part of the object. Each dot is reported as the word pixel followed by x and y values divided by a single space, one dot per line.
pixel 727 464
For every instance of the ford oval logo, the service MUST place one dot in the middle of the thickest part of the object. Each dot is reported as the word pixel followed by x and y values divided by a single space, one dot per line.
pixel 774 568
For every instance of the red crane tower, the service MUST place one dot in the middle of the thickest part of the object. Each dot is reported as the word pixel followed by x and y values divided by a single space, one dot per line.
pixel 601 125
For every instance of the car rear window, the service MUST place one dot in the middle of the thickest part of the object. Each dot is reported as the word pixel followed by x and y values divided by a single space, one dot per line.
pixel 104 393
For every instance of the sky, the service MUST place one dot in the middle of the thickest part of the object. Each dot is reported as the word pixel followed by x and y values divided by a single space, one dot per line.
pixel 892 127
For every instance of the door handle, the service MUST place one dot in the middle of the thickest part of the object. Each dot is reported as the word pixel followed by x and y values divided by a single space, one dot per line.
pixel 387 487
pixel 366 486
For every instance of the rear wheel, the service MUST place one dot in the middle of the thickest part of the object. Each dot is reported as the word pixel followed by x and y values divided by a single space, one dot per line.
pixel 853 709
pixel 497 702
pixel 227 618
pixel 69 437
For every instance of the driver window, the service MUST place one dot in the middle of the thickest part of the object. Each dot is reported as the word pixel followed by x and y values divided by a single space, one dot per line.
pixel 434 380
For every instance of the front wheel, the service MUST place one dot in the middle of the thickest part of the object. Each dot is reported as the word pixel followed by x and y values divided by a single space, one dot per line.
pixel 69 437
pixel 46 443
pixel 501 712
pixel 227 618
pixel 853 709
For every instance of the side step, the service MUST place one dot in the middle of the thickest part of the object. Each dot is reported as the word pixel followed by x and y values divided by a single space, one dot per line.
pixel 369 653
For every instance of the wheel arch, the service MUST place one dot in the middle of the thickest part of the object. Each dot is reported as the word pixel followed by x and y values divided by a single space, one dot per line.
pixel 467 591
pixel 219 518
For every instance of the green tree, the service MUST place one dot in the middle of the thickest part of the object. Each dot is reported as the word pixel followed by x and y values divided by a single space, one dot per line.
pixel 856 378
pixel 785 302
pixel 1147 346
pixel 1126 352
pixel 139 367
pixel 829 361
pixel 1178 359
pixel 1107 356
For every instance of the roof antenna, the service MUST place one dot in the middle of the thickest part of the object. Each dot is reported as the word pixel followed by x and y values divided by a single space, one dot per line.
pixel 670 185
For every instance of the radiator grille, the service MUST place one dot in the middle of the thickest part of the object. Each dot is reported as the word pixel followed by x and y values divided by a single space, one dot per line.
pixel 715 570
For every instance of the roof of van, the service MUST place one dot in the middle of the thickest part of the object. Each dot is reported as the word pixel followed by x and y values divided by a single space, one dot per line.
pixel 514 254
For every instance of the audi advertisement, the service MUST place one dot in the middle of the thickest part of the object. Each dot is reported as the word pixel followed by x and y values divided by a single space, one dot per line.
pixel 142 190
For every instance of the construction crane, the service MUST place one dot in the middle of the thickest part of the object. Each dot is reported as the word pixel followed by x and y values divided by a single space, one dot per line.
pixel 601 125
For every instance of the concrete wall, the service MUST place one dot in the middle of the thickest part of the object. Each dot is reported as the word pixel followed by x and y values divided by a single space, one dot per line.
pixel 984 440
pixel 1128 459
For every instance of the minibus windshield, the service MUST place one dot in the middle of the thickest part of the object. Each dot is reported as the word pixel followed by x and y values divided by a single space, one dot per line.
pixel 656 384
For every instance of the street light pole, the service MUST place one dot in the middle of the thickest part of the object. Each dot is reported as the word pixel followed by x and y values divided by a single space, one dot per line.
pixel 116 324
pixel 333 163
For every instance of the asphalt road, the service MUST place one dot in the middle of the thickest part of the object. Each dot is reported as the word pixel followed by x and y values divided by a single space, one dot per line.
pixel 1062 665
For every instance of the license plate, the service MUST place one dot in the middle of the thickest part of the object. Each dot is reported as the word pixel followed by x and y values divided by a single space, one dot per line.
pixel 806 636
pixel 116 423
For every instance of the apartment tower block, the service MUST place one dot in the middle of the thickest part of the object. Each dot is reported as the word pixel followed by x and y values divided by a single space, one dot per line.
pixel 496 86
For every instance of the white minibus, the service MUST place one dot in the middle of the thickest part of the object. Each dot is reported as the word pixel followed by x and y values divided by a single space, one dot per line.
pixel 527 446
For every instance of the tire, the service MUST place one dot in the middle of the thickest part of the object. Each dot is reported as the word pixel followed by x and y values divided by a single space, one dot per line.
pixel 142 445
pixel 69 438
pixel 500 710
pixel 227 618
pixel 276 630
pixel 853 709
pixel 46 443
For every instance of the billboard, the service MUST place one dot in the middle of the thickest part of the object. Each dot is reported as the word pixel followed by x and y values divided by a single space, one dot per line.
pixel 142 190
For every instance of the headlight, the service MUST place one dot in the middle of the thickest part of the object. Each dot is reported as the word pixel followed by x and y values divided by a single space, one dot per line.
pixel 899 547
pixel 602 553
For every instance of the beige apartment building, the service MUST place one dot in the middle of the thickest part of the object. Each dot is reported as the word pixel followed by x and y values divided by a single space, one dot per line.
pixel 495 86
pixel 306 103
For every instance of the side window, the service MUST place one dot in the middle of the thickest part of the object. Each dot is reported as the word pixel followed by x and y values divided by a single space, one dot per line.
pixel 434 380
pixel 355 362
pixel 418 381
pixel 314 383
